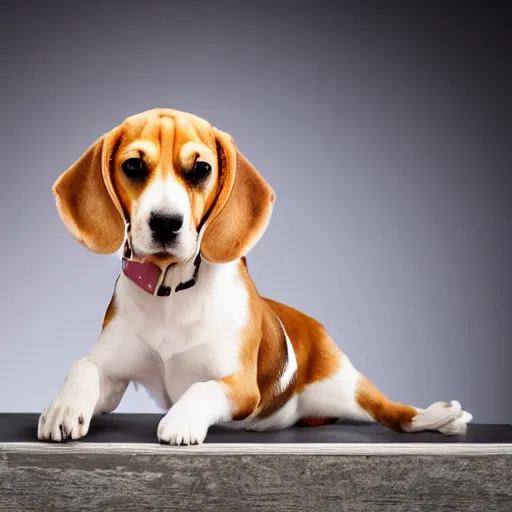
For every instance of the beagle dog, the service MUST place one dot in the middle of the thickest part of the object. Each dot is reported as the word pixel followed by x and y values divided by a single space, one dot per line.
pixel 182 206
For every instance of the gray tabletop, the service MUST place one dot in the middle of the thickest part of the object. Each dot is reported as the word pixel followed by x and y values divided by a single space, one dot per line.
pixel 141 428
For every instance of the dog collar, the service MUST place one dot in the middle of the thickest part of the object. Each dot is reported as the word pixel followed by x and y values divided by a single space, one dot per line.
pixel 149 276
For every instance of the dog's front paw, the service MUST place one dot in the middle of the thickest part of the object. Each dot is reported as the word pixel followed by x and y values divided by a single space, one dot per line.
pixel 179 427
pixel 61 421
pixel 448 418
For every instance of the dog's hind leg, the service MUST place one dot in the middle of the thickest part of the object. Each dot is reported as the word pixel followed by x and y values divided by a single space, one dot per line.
pixel 347 394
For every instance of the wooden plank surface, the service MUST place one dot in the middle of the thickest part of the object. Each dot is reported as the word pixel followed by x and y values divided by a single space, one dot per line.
pixel 169 481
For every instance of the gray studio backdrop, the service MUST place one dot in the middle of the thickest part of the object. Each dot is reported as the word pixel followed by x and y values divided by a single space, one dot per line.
pixel 384 128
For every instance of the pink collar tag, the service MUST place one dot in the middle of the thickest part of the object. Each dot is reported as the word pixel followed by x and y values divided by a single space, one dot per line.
pixel 146 275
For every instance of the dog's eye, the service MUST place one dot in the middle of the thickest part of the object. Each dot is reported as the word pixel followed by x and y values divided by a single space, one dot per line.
pixel 135 168
pixel 199 172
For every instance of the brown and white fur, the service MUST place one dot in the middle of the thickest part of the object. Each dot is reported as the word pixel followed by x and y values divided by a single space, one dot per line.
pixel 218 352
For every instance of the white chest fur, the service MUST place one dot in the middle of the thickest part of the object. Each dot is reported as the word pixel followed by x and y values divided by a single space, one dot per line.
pixel 190 336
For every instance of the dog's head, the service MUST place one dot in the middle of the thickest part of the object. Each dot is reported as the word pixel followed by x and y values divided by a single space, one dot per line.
pixel 178 181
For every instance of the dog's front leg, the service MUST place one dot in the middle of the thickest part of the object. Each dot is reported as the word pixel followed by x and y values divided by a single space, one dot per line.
pixel 206 403
pixel 69 414
pixel 93 385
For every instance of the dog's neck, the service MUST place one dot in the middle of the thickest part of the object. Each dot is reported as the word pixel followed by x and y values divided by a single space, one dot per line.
pixel 162 281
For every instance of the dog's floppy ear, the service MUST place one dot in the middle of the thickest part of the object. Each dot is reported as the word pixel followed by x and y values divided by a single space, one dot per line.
pixel 86 201
pixel 242 208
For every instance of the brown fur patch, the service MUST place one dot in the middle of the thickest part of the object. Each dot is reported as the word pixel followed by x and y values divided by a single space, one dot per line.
pixel 272 361
pixel 243 394
pixel 381 408
pixel 264 353
pixel 317 355
pixel 110 313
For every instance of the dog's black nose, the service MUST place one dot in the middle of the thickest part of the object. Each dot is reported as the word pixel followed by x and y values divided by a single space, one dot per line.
pixel 165 227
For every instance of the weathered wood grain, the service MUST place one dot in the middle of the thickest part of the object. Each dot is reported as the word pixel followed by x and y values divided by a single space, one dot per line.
pixel 55 480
